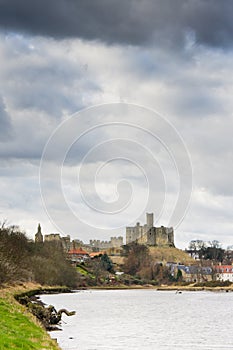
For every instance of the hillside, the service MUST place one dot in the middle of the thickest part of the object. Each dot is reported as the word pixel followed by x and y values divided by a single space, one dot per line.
pixel 165 254
pixel 161 254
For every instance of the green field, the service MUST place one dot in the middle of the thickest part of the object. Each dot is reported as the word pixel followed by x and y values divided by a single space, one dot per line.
pixel 19 330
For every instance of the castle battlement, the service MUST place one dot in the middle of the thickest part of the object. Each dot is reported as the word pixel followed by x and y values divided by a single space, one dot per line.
pixel 115 242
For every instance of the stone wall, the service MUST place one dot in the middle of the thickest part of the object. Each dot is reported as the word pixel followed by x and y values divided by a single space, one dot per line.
pixel 114 242
pixel 52 237
pixel 135 233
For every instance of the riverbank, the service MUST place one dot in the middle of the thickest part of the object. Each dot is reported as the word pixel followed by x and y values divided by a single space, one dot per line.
pixel 19 329
pixel 196 288
pixel 189 288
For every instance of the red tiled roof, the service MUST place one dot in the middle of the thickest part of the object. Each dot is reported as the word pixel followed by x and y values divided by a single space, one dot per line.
pixel 93 254
pixel 224 268
pixel 78 251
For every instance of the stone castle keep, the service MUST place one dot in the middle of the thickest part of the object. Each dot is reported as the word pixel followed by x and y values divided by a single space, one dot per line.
pixel 150 235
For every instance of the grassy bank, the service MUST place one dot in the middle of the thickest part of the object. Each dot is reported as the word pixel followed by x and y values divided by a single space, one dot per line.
pixel 18 328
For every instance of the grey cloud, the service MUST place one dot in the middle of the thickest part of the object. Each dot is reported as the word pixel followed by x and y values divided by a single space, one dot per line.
pixel 130 21
pixel 5 123
pixel 40 85
pixel 195 95
pixel 42 78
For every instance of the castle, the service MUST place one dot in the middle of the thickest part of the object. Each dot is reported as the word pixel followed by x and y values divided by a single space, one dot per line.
pixel 146 234
pixel 150 235
pixel 68 244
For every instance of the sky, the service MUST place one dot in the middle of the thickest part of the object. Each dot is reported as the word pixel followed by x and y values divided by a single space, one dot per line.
pixel 111 109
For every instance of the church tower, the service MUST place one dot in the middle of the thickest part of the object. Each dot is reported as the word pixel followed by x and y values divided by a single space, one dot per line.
pixel 38 235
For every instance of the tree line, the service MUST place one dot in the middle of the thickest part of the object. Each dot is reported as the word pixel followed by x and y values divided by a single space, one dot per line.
pixel 23 260
pixel 211 250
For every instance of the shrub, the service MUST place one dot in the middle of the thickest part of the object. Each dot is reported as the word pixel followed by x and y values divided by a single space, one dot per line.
pixel 213 284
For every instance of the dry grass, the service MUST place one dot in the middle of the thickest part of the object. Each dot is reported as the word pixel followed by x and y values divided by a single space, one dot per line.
pixel 169 254
pixel 161 254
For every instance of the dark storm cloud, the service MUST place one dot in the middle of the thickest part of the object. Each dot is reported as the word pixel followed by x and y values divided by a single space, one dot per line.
pixel 128 21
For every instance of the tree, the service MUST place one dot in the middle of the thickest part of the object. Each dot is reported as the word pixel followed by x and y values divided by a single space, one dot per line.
pixel 214 253
pixel 179 276
pixel 23 260
pixel 215 244
pixel 228 256
pixel 106 263
pixel 138 258
pixel 14 255
pixel 197 245
pixel 207 251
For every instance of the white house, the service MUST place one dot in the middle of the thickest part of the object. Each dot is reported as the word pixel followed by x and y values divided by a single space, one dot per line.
pixel 224 272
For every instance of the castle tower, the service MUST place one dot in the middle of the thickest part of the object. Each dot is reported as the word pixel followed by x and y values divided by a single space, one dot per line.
pixel 38 235
pixel 149 220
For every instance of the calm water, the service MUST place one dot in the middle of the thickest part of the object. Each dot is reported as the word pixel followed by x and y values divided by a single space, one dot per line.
pixel 145 319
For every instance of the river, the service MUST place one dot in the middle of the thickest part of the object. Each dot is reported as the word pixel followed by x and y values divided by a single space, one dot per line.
pixel 144 319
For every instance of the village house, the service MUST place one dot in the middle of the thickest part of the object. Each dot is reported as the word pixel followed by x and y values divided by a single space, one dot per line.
pixel 78 255
pixel 193 273
pixel 224 273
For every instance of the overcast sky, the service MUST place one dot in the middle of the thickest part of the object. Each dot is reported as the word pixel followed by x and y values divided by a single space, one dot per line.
pixel 174 57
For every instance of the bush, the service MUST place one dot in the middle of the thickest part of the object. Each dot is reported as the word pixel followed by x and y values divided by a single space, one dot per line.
pixel 213 284
pixel 49 265
pixel 14 255
pixel 137 281
pixel 106 263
